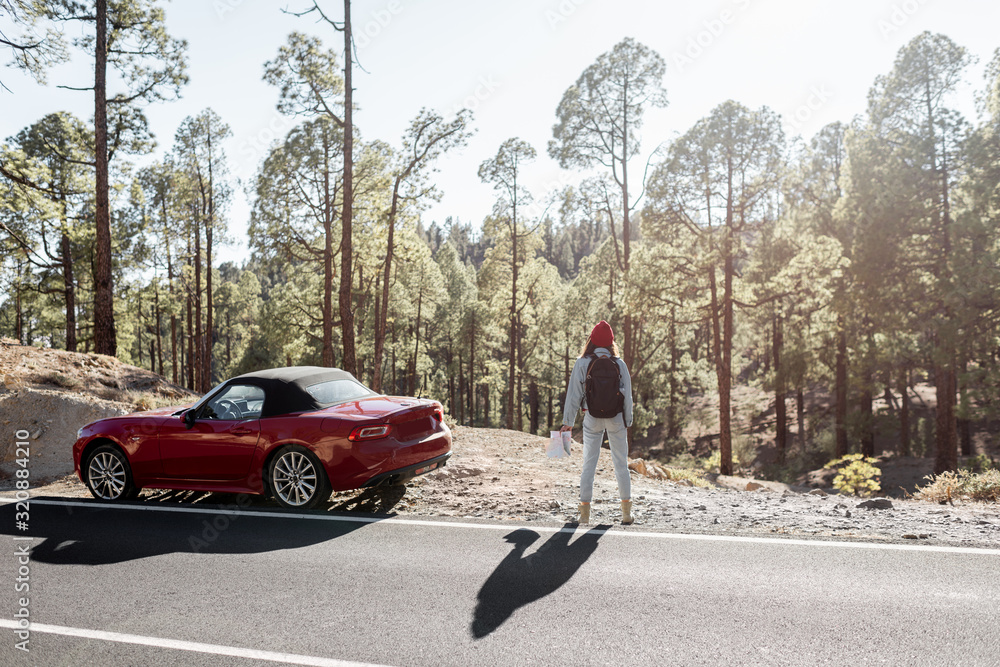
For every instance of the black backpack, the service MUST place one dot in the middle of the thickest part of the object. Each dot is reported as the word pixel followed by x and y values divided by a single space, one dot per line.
pixel 602 388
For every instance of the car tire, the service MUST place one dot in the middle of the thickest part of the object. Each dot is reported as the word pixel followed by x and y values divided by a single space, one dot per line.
pixel 108 474
pixel 296 478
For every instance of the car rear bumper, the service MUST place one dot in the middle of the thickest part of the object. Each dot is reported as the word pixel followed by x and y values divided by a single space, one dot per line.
pixel 403 475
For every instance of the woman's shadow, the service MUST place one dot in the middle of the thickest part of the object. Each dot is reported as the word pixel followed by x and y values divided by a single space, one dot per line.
pixel 520 580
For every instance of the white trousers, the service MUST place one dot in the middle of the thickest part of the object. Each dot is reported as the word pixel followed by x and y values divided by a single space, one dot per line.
pixel 593 434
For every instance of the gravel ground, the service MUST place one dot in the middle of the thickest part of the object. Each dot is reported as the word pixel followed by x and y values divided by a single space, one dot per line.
pixel 522 485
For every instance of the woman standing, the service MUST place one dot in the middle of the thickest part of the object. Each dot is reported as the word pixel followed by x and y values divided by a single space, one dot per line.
pixel 595 380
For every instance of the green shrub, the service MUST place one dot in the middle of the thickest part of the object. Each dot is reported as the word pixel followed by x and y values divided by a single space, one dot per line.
pixel 857 476
pixel 979 463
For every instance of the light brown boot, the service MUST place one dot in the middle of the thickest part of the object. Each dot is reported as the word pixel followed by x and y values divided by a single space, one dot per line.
pixel 627 512
pixel 584 513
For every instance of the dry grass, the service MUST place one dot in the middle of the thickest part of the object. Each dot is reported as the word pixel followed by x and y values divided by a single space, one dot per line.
pixel 60 380
pixel 657 471
pixel 962 485
pixel 144 400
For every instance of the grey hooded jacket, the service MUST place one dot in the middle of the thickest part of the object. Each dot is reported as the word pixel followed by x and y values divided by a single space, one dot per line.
pixel 575 392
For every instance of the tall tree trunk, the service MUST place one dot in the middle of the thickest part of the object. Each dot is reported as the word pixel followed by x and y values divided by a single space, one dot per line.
pixel 725 368
pixel 450 364
pixel 867 421
pixel 673 420
pixel 159 329
pixel 209 300
pixel 486 402
pixel 840 420
pixel 327 354
pixel 190 346
pixel 18 309
pixel 964 424
pixel 377 363
pixel 180 352
pixel 105 335
pixel 780 416
pixel 551 413
pixel 965 436
pixel 512 343
pixel 346 251
pixel 170 291
pixel 174 362
pixel 382 316
pixel 628 353
pixel 473 396
pixel 717 358
pixel 69 289
pixel 533 406
pixel 199 357
pixel 139 321
pixel 416 332
pixel 395 386
pixel 904 413
pixel 566 373
pixel 800 411
pixel 520 377
pixel 460 403
pixel 946 454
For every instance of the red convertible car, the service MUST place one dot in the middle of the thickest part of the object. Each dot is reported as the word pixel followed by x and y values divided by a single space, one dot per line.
pixel 292 433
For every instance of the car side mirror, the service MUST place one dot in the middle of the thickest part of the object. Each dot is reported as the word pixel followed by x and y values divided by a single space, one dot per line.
pixel 189 419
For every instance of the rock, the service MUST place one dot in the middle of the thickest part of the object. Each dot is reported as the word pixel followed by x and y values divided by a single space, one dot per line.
pixel 638 465
pixel 876 504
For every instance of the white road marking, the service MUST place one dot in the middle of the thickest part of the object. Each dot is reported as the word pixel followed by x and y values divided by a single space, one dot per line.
pixel 626 532
pixel 197 647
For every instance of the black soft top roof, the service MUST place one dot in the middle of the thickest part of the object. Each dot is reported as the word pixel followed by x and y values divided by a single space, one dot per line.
pixel 285 388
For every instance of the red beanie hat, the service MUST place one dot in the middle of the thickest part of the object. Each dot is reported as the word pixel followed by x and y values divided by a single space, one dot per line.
pixel 602 335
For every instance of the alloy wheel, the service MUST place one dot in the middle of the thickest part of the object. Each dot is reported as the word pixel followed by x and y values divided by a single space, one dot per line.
pixel 294 478
pixel 107 476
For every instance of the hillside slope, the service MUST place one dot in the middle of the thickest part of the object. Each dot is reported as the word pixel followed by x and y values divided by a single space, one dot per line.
pixel 49 394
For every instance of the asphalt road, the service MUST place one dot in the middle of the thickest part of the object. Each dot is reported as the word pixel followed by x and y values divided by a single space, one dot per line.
pixel 203 587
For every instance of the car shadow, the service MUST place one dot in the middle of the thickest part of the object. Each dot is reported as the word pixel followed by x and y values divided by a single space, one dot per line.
pixel 96 533
pixel 520 580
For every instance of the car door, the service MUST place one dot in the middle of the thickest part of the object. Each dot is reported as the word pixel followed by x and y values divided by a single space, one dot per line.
pixel 222 441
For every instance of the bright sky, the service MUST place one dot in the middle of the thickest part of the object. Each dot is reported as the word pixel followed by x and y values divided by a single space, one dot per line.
pixel 811 61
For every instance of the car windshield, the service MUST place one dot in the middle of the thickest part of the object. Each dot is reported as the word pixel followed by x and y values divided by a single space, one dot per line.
pixel 237 401
pixel 337 391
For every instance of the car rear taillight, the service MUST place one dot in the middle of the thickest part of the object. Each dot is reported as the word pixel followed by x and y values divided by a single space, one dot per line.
pixel 369 432
pixel 439 414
